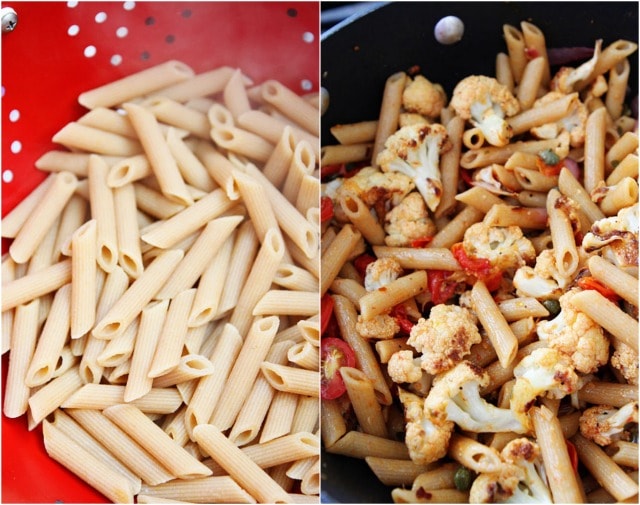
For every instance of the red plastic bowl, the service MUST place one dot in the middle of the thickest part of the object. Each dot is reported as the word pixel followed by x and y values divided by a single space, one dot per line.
pixel 59 49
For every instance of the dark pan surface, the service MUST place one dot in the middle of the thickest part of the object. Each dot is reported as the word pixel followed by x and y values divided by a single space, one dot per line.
pixel 360 53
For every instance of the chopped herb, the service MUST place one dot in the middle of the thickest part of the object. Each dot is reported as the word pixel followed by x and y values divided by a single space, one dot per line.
pixel 615 163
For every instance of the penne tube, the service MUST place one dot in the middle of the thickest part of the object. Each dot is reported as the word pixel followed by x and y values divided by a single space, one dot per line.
pixel 562 236
pixel 362 219
pixel 291 379
pixel 245 369
pixel 40 219
pixel 192 169
pixel 292 277
pixel 514 40
pixel 141 292
pixel 178 115
pixel 209 290
pixel 109 120
pixel 182 224
pixel 239 466
pixel 49 397
pixel 51 340
pixel 198 85
pixel 242 142
pixel 279 417
pixel 290 303
pixel 361 445
pixel 604 469
pixel 152 438
pixel 256 407
pixel 158 153
pixel 355 133
pixel 474 455
pixel 594 149
pixel 291 105
pixel 16 217
pixel 608 315
pixel 389 112
pixel 76 136
pixel 103 212
pixel 400 290
pixel 346 317
pixel 171 339
pixel 201 253
pixel 624 284
pixel 302 233
pixel 363 400
pixel 127 231
pixel 209 389
pixel 494 323
pixel 216 489
pixel 65 450
pixel 129 170
pixel 23 342
pixel 121 445
pixel 102 396
pixel 136 84
pixel 83 279
pixel 302 164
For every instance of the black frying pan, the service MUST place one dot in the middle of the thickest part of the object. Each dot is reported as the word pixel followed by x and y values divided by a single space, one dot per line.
pixel 360 53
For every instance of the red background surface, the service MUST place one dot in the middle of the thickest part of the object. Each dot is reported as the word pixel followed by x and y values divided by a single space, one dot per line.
pixel 44 69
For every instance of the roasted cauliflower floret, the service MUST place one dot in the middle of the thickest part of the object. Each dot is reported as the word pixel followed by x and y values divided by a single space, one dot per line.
pixel 543 281
pixel 615 237
pixel 378 190
pixel 381 272
pixel 544 372
pixel 415 151
pixel 423 97
pixel 573 123
pixel 625 359
pixel 505 247
pixel 404 368
pixel 455 394
pixel 520 480
pixel 576 335
pixel 379 327
pixel 408 221
pixel 525 454
pixel 427 432
pixel 486 103
pixel 445 338
pixel 605 424
pixel 566 78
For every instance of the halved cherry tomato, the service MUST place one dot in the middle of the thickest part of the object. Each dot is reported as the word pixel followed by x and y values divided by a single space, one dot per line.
pixel 592 283
pixel 479 267
pixel 441 290
pixel 326 209
pixel 334 354
pixel 326 311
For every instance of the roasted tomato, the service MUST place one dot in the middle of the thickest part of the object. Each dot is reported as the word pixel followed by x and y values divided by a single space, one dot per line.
pixel 334 354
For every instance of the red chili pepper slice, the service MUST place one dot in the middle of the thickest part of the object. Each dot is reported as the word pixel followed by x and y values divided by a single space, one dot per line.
pixel 326 312
pixel 479 267
pixel 326 209
pixel 399 313
pixel 421 242
pixel 441 290
pixel 573 455
pixel 334 354
pixel 592 283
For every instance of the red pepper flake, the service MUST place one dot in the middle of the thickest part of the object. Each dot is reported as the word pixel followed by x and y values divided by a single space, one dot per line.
pixel 590 282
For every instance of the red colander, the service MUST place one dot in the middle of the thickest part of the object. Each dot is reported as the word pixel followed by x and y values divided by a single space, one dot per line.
pixel 59 49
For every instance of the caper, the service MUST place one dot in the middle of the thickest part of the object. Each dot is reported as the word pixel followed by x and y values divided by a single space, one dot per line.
pixel 553 306
pixel 463 478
